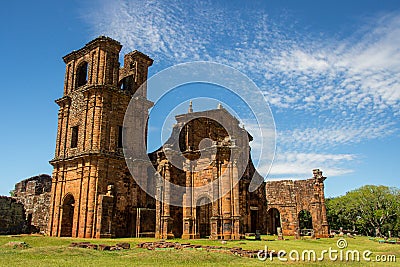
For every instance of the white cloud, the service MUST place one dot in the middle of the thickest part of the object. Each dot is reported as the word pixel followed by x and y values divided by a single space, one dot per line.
pixel 325 92
pixel 345 71
pixel 340 133
pixel 295 66
pixel 295 165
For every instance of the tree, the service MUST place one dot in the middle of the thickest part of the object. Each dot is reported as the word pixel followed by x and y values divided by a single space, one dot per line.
pixel 305 220
pixel 372 210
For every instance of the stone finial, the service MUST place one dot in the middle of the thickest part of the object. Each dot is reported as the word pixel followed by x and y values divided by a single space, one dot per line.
pixel 219 106
pixel 318 175
pixel 190 107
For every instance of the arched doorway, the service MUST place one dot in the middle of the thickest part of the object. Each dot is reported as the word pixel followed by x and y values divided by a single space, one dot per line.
pixel 176 214
pixel 67 215
pixel 305 223
pixel 274 221
pixel 203 216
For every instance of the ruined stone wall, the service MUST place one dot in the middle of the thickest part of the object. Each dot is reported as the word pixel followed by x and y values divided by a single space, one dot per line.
pixel 12 216
pixel 215 152
pixel 34 194
pixel 287 198
pixel 253 204
pixel 88 158
pixel 94 195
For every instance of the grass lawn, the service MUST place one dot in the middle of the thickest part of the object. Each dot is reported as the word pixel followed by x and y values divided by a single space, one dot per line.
pixel 50 251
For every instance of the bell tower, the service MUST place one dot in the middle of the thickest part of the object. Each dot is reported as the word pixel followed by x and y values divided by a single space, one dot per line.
pixel 93 192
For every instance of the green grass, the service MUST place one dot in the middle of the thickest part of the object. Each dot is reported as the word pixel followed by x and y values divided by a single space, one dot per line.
pixel 49 251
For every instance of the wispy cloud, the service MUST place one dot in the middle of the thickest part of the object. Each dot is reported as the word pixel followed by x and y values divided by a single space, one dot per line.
pixel 334 92
pixel 325 138
pixel 347 74
pixel 294 165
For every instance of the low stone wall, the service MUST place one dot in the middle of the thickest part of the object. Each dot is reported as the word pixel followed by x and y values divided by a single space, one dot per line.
pixel 12 216
pixel 34 194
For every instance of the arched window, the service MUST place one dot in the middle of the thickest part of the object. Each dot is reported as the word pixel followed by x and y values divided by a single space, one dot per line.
pixel 126 84
pixel 82 74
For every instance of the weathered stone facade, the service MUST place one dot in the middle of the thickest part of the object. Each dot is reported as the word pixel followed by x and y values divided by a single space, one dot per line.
pixel 215 172
pixel 94 194
pixel 286 199
pixel 12 216
pixel 34 194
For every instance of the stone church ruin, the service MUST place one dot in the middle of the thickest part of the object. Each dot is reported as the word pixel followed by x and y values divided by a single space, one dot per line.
pixel 95 194
pixel 216 171
pixel 288 198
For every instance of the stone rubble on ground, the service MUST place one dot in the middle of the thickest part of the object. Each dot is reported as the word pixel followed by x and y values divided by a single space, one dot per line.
pixel 119 246
pixel 238 251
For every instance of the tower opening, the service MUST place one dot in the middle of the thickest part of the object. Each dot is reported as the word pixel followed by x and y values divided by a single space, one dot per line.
pixel 74 137
pixel 82 74
pixel 126 84
pixel 120 133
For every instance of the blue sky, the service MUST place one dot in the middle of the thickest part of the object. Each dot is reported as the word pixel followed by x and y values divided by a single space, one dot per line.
pixel 329 69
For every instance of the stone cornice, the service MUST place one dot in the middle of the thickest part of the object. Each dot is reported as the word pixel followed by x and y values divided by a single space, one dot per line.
pixel 98 88
pixel 138 54
pixel 99 41
pixel 63 100
pixel 90 154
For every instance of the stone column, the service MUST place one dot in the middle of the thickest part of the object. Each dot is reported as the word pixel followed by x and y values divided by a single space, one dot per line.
pixel 52 231
pixel 215 220
pixel 235 193
pixel 85 198
pixel 66 79
pixel 166 217
pixel 91 119
pixel 101 67
pixel 65 126
pixel 91 199
pixel 59 195
pixel 159 192
pixel 97 122
pixel 324 224
pixel 217 216
pixel 189 229
pixel 85 129
pixel 226 200
pixel 78 202
pixel 59 130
